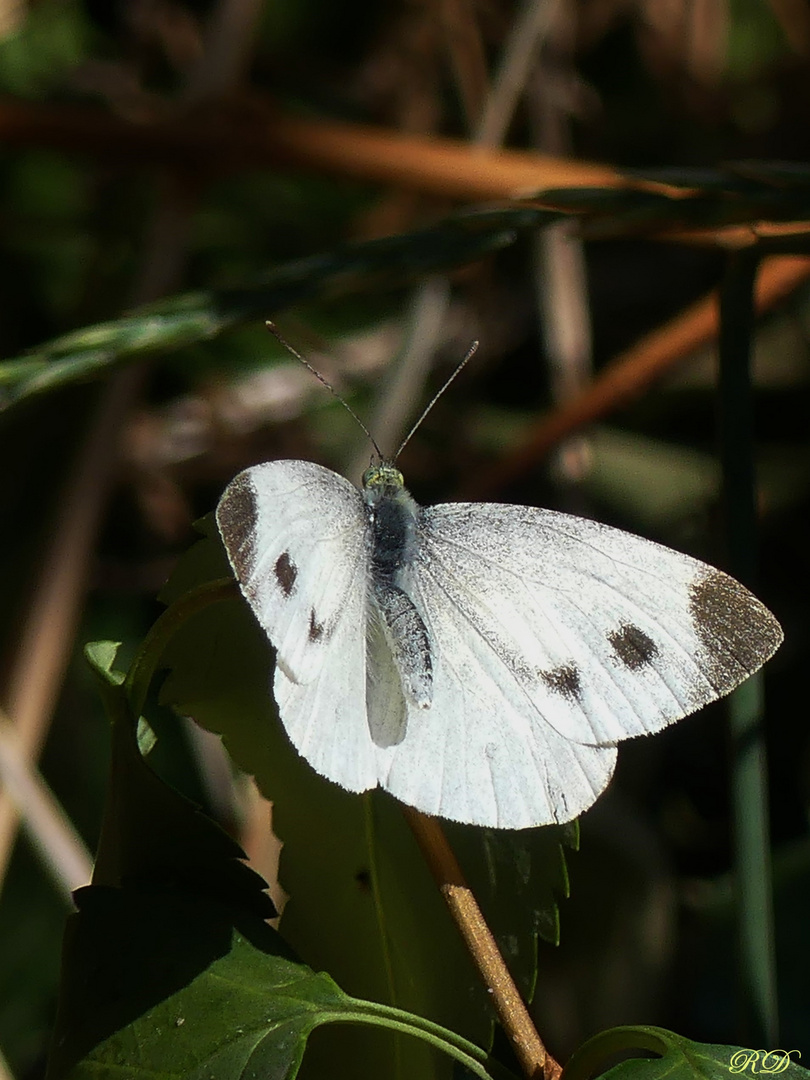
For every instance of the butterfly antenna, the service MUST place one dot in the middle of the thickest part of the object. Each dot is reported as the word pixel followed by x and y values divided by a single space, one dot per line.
pixel 274 330
pixel 470 354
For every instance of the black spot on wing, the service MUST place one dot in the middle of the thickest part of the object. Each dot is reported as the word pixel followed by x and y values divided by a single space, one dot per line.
pixel 737 632
pixel 316 629
pixel 632 646
pixel 563 680
pixel 236 521
pixel 286 573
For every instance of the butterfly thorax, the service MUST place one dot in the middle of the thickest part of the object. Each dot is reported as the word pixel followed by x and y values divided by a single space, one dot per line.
pixel 392 517
pixel 392 520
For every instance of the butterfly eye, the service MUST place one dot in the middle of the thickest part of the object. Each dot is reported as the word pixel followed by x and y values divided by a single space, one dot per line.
pixel 384 475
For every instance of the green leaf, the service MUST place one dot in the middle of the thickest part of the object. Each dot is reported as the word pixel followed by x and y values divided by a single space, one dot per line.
pixel 171 984
pixel 676 1058
pixel 151 834
pixel 740 195
pixel 375 265
pixel 169 967
pixel 101 656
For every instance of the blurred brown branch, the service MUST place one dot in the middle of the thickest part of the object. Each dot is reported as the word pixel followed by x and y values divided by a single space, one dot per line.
pixel 256 135
pixel 732 237
pixel 630 373
pixel 260 136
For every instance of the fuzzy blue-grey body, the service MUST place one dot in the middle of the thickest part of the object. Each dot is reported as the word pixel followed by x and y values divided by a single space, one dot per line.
pixel 392 517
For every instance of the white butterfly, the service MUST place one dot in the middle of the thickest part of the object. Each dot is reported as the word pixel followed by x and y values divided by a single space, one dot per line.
pixel 478 661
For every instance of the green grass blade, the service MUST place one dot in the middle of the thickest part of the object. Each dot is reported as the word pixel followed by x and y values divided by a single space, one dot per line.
pixel 749 767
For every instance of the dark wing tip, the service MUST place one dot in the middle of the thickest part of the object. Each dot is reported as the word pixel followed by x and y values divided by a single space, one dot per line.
pixel 236 520
pixel 737 631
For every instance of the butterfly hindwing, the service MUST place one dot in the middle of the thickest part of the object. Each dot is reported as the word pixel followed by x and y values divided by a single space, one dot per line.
pixel 479 754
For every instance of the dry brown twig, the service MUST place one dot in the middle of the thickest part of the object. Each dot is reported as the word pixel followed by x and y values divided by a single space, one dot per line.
pixel 535 1060
pixel 49 827
pixel 462 37
pixel 47 638
pixel 262 136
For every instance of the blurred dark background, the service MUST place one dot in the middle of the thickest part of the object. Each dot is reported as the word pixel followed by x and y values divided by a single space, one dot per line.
pixel 88 230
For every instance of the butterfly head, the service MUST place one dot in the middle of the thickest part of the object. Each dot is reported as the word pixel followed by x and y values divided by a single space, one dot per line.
pixel 382 480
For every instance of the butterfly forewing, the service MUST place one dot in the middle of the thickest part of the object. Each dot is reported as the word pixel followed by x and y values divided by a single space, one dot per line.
pixel 607 635
pixel 295 536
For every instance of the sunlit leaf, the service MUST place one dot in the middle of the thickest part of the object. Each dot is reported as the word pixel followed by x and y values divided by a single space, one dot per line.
pixel 668 1056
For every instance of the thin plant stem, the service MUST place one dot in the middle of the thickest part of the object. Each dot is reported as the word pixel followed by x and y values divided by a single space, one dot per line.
pixel 47 639
pixel 517 61
pixel 468 60
pixel 534 1059
pixel 559 268
pixel 49 828
pixel 404 385
pixel 431 300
